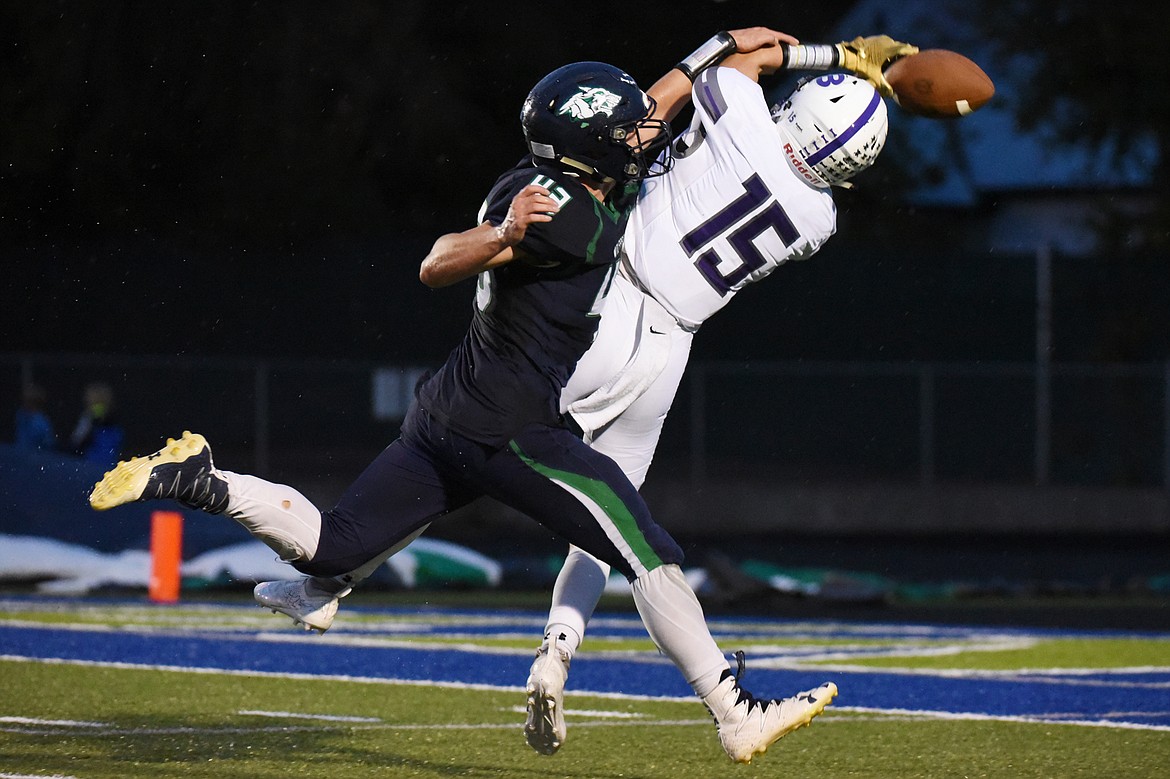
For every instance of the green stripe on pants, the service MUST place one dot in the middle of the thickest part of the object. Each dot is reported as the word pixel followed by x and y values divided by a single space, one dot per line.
pixel 608 501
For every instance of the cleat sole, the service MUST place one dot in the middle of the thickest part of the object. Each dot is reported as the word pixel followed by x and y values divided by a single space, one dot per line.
pixel 539 731
pixel 544 726
pixel 126 482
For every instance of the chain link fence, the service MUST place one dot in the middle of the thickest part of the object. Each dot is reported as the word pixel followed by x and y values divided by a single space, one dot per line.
pixel 797 422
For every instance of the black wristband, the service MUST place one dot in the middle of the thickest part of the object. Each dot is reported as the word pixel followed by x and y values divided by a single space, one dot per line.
pixel 714 51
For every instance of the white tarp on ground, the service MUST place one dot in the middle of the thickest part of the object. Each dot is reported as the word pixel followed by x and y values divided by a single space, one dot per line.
pixel 60 567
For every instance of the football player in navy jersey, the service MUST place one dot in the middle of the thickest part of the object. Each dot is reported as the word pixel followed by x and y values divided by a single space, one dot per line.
pixel 488 421
pixel 544 251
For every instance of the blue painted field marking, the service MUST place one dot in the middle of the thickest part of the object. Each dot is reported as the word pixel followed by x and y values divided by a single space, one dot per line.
pixel 1135 697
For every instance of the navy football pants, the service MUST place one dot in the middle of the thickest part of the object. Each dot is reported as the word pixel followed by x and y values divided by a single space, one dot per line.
pixel 546 472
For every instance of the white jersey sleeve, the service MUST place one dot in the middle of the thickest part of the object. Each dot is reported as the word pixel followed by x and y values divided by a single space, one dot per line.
pixel 730 211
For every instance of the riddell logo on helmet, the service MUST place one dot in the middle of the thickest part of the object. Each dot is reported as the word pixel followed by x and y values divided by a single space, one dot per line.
pixel 798 163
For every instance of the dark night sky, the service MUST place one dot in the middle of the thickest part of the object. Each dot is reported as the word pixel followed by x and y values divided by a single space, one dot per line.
pixel 263 179
pixel 272 173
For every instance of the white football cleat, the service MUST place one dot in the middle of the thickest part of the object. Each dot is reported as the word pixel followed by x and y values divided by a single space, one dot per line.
pixel 544 728
pixel 748 726
pixel 311 611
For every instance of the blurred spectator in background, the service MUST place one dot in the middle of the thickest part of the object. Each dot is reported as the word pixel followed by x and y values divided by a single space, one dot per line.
pixel 34 430
pixel 97 436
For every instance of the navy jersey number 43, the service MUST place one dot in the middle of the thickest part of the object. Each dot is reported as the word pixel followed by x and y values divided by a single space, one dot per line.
pixel 534 317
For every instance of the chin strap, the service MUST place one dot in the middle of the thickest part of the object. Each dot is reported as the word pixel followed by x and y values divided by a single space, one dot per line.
pixel 588 170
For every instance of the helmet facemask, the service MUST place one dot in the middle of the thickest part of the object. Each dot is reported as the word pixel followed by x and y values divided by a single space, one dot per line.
pixel 644 140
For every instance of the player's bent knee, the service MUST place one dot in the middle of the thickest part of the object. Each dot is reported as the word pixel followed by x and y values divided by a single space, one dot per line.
pixel 283 544
pixel 322 568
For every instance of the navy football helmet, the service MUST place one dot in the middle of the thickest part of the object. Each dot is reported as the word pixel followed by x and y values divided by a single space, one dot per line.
pixel 592 117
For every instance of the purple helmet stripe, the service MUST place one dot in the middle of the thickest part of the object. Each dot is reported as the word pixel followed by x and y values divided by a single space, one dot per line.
pixel 850 131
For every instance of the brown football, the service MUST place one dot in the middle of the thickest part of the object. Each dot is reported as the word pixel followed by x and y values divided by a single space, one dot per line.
pixel 939 83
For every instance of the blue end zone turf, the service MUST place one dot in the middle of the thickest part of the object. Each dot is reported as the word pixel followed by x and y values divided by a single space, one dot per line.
pixel 1128 698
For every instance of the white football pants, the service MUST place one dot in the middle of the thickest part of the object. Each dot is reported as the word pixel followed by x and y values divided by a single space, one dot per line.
pixel 626 383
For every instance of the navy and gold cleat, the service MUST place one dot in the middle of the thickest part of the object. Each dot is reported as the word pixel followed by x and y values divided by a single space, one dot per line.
pixel 181 470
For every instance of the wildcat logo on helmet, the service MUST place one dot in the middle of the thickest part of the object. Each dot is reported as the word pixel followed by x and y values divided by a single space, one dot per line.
pixel 589 103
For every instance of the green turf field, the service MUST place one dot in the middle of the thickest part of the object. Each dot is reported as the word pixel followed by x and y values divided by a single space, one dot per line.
pixel 64 719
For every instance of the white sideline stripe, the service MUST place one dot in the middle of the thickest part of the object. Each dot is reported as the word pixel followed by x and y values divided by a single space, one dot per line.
pixel 264 674
pixel 251 633
pixel 903 650
pixel 182 612
pixel 68 723
pixel 520 725
pixel 599 713
pixel 295 715
pixel 176 731
pixel 349 639
pixel 1038 675
pixel 868 714
pixel 1133 669
pixel 450 726
pixel 574 713
pixel 388 726
pixel 1056 715
pixel 581 693
pixel 1034 719
pixel 1075 682
pixel 765 655
pixel 885 715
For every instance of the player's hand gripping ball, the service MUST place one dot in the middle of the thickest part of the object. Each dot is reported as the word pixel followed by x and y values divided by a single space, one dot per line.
pixel 939 84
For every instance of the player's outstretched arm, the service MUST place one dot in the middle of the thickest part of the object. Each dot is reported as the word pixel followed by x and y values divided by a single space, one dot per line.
pixel 761 62
pixel 457 256
pixel 865 56
pixel 673 91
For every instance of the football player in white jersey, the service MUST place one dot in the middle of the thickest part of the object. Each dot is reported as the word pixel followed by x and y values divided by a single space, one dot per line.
pixel 750 190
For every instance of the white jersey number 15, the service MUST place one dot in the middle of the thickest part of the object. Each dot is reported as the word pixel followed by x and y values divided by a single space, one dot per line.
pixel 741 239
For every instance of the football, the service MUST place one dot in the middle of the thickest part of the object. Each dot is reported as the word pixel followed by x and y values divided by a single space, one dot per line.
pixel 939 83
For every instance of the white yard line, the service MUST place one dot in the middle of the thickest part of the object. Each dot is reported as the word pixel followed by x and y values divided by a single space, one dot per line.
pixel 65 723
pixel 1069 676
pixel 299 715
pixel 912 713
pixel 867 714
pixel 970 717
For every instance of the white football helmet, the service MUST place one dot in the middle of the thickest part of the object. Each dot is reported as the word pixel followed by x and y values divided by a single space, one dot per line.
pixel 832 126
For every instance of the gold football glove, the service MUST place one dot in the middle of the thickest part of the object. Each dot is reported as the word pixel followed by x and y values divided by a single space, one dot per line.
pixel 867 57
